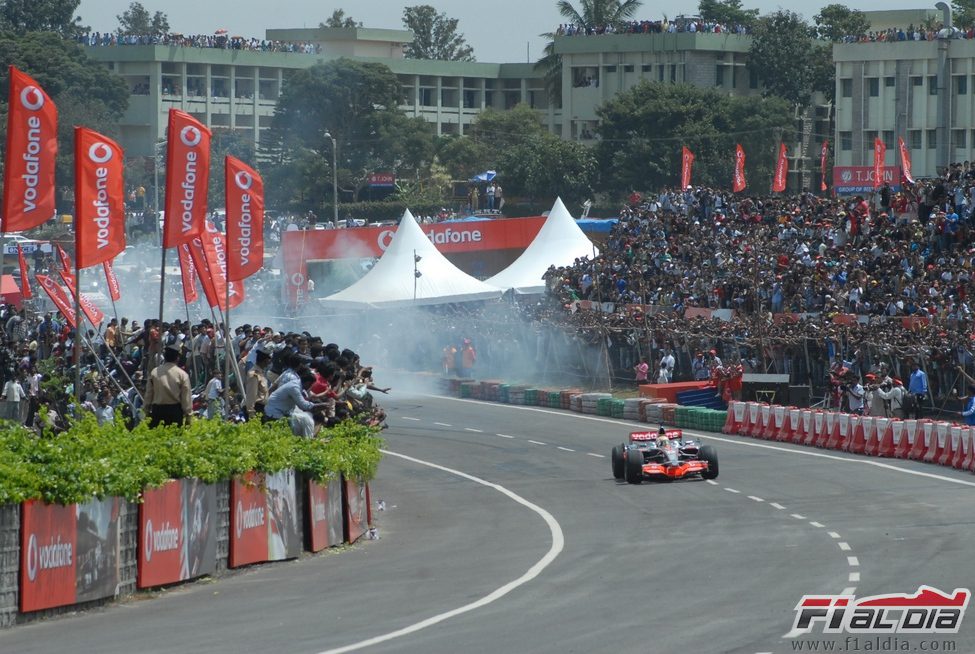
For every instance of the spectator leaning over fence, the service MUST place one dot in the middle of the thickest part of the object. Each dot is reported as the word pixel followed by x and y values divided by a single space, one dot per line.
pixel 968 414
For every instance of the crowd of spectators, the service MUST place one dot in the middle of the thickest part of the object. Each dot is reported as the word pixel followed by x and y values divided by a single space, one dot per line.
pixel 911 33
pixel 677 26
pixel 215 41
pixel 885 277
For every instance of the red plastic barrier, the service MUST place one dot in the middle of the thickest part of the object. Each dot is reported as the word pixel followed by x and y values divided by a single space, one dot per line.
pixel 893 442
pixel 923 442
pixel 885 438
pixel 780 415
pixel 961 447
pixel 968 462
pixel 826 429
pixel 766 422
pixel 809 424
pixel 840 433
pixel 736 414
pixel 952 445
pixel 793 421
pixel 754 418
pixel 858 430
pixel 906 442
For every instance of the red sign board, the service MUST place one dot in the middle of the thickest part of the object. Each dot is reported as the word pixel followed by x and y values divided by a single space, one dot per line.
pixel 859 179
pixel 177 532
pixel 356 510
pixel 325 514
pixel 263 518
pixel 381 179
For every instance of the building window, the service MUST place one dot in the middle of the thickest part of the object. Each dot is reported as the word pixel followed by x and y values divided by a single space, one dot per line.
pixel 959 138
pixel 914 139
pixel 660 72
pixel 647 68
pixel 719 75
pixel 846 88
pixel 932 139
pixel 873 84
pixel 610 69
pixel 917 81
pixel 888 137
pixel 932 85
pixel 961 85
pixel 628 68
pixel 890 82
pixel 846 141
pixel 673 72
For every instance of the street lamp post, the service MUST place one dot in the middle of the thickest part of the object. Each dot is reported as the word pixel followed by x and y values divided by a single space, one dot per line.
pixel 335 179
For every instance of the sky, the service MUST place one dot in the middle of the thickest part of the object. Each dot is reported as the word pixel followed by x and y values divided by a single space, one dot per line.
pixel 500 31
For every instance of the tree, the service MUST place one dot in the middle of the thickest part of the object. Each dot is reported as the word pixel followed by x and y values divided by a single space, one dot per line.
pixel 22 16
pixel 963 13
pixel 85 91
pixel 435 35
pixel 226 141
pixel 592 14
pixel 835 21
pixel 338 19
pixel 727 12
pixel 136 20
pixel 546 166
pixel 642 131
pixel 780 55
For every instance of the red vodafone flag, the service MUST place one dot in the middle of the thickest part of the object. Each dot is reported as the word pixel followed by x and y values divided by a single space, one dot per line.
pixel 781 170
pixel 199 259
pixel 879 154
pixel 113 287
pixel 905 160
pixel 24 281
pixel 32 149
pixel 88 307
pixel 215 250
pixel 58 297
pixel 822 165
pixel 245 219
pixel 99 198
pixel 686 163
pixel 739 181
pixel 187 178
pixel 188 273
pixel 66 266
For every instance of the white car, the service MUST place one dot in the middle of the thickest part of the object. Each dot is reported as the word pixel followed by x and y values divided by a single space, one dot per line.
pixel 28 245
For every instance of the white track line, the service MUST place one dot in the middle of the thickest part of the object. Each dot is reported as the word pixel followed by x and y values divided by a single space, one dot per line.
pixel 565 449
pixel 732 490
pixel 723 439
pixel 712 482
pixel 817 525
pixel 835 535
pixel 598 456
pixel 558 543
pixel 755 499
pixel 776 505
pixel 476 431
pixel 537 443
pixel 849 590
pixel 413 419
pixel 442 424
pixel 843 545
pixel 798 517
pixel 504 436
pixel 854 576
pixel 853 561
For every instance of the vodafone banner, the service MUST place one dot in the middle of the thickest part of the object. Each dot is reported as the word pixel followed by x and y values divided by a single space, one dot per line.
pixel 187 178
pixel 905 160
pixel 215 251
pixel 781 170
pixel 356 509
pixel 879 155
pixel 99 198
pixel 66 266
pixel 177 532
pixel 32 149
pixel 187 271
pixel 738 183
pixel 113 286
pixel 95 315
pixel 263 519
pixel 245 219
pixel 686 164
pixel 824 151
pixel 297 247
pixel 325 514
pixel 68 554
pixel 58 297
pixel 24 279
pixel 199 259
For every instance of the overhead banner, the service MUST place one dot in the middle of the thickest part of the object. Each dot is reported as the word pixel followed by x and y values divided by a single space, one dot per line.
pixel 263 518
pixel 177 532
pixel 58 297
pixel 686 164
pixel 99 220
pixel 781 170
pixel 68 554
pixel 325 514
pixel 905 160
pixel 187 178
pixel 215 249
pixel 356 509
pixel 824 151
pixel 24 280
pixel 32 150
pixel 739 180
pixel 852 180
pixel 879 154
pixel 244 190
pixel 113 286
pixel 187 270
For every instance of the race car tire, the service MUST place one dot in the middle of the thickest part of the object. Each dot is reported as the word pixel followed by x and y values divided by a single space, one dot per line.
pixel 709 454
pixel 617 460
pixel 634 468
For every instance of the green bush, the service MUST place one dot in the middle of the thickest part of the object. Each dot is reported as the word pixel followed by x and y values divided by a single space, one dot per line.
pixel 89 460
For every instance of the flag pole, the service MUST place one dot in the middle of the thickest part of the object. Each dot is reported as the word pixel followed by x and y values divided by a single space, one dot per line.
pixel 226 341
pixel 196 372
pixel 77 329
pixel 162 293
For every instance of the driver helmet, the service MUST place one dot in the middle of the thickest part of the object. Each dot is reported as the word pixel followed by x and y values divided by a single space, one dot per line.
pixel 662 439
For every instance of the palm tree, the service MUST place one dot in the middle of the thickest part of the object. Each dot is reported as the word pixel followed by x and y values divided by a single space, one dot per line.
pixel 594 13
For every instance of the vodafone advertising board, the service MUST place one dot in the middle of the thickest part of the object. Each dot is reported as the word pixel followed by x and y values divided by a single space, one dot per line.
pixel 68 554
pixel 325 514
pixel 299 247
pixel 177 532
pixel 263 519
pixel 356 509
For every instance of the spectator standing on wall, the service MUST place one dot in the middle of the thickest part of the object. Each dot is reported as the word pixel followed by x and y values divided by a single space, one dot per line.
pixel 669 362
pixel 489 193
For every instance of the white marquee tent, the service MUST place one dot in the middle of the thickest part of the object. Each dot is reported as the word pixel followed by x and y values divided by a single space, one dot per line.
pixel 390 283
pixel 558 243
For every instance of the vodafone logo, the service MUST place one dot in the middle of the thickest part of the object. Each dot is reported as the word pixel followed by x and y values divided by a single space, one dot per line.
pixel 190 136
pixel 165 539
pixel 100 152
pixel 32 558
pixel 239 519
pixel 31 98
pixel 297 279
pixel 385 237
pixel 147 548
pixel 47 557
pixel 243 180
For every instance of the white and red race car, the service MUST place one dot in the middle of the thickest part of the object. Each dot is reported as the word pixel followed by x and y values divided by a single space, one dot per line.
pixel 663 455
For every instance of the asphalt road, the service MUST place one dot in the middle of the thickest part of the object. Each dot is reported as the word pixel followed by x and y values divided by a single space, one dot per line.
pixel 659 568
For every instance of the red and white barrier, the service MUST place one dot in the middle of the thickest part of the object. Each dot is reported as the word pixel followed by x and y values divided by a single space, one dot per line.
pixel 885 439
pixel 793 422
pixel 858 434
pixel 931 449
pixel 826 430
pixel 952 445
pixel 961 447
pixel 816 424
pixel 777 417
pixel 754 419
pixel 906 442
pixel 968 438
pixel 736 414
pixel 764 420
pixel 840 433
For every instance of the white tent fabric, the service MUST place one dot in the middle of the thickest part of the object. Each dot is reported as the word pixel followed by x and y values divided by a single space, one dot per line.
pixel 558 243
pixel 390 283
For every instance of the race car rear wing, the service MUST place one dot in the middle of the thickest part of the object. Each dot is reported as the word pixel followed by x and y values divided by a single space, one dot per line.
pixel 642 436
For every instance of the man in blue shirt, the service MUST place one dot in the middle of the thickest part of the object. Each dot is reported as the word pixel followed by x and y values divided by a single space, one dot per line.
pixel 969 413
pixel 918 387
pixel 288 396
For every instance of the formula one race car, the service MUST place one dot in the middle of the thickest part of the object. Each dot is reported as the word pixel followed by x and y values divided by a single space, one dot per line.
pixel 665 456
